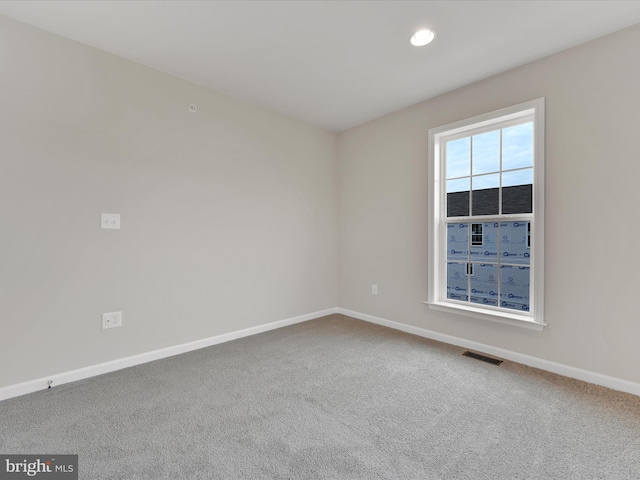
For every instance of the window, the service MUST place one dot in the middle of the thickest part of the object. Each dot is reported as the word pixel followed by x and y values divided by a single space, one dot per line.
pixel 476 235
pixel 486 177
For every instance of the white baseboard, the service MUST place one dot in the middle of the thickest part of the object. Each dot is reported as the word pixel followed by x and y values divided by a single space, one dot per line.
pixel 560 369
pixel 99 369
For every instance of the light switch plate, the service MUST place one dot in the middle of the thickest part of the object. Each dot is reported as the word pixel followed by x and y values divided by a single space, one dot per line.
pixel 110 221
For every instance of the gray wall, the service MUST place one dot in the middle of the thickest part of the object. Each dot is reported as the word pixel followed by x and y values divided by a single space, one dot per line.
pixel 592 199
pixel 229 215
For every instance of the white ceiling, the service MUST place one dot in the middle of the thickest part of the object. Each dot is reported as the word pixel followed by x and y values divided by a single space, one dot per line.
pixel 335 64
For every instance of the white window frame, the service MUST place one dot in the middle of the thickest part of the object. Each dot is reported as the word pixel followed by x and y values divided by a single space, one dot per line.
pixel 437 298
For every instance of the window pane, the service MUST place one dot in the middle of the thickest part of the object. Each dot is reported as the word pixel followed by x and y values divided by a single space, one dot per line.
pixel 484 284
pixel 485 199
pixel 514 245
pixel 458 241
pixel 458 197
pixel 459 185
pixel 486 152
pixel 459 158
pixel 517 146
pixel 517 191
pixel 517 177
pixel 488 251
pixel 457 281
pixel 514 287
pixel 482 182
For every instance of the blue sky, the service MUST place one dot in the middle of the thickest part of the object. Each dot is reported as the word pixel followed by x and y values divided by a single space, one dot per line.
pixel 517 153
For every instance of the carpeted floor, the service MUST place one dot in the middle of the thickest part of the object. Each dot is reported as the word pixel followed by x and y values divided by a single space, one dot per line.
pixel 332 398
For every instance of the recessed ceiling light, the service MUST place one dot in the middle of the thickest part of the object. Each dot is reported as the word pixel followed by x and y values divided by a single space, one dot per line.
pixel 422 37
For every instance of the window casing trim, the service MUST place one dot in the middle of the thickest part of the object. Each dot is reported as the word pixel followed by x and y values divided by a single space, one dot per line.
pixel 516 114
pixel 468 310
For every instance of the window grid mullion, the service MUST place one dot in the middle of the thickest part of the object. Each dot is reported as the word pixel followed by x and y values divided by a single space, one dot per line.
pixel 500 183
pixel 471 175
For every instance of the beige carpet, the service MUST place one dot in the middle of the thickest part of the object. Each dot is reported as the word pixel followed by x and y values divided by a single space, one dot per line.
pixel 333 398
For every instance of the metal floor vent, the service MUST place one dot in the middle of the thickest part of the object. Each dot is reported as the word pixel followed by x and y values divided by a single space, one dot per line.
pixel 477 356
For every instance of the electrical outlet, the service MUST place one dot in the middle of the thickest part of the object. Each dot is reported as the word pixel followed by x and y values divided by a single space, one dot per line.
pixel 374 289
pixel 111 320
pixel 110 221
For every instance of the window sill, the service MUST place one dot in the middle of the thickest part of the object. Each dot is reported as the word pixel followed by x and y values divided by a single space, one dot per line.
pixel 514 319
